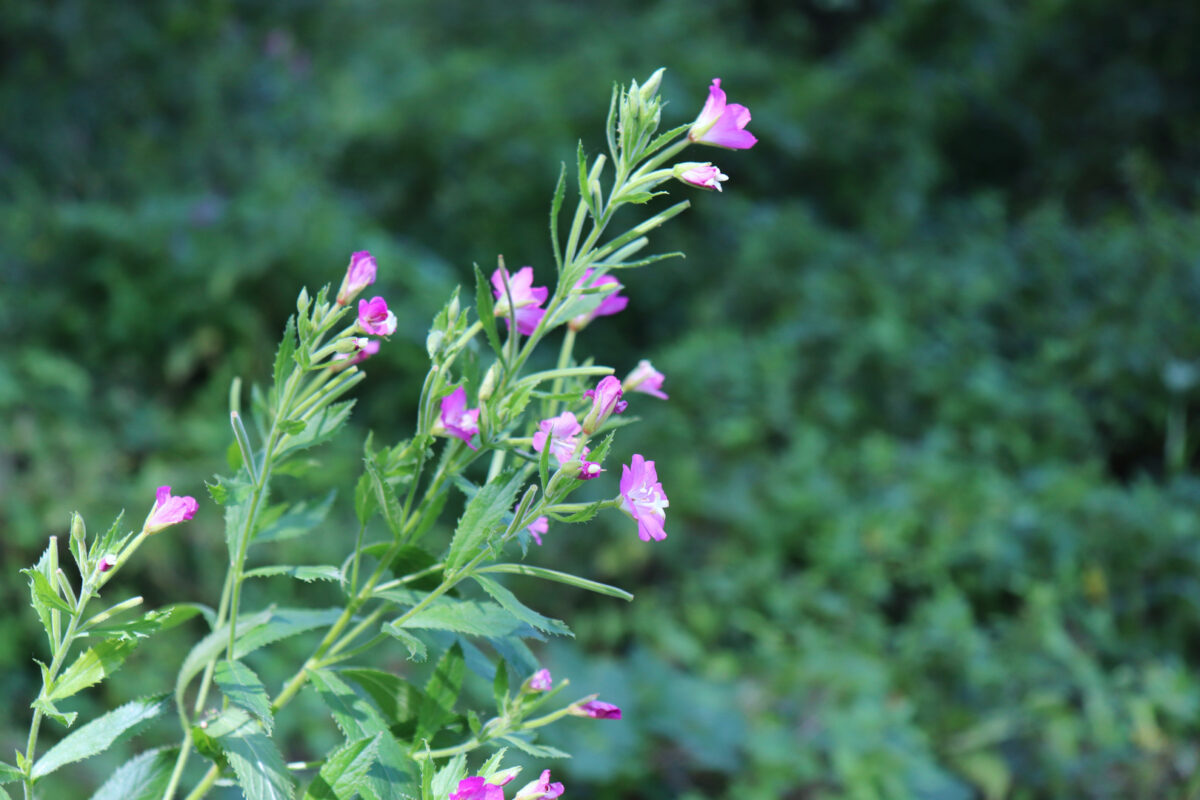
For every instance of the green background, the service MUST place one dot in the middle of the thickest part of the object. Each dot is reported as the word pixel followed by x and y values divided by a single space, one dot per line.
pixel 933 355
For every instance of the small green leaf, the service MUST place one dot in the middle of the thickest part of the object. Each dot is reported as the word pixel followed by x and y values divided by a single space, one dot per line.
pixel 386 500
pixel 297 520
pixel 99 734
pixel 244 690
pixel 581 164
pixel 416 648
pixel 509 602
pixel 560 190
pixel 292 426
pixel 287 348
pixel 559 577
pixel 344 773
pixel 42 591
pixel 481 518
pixel 254 757
pixel 639 197
pixel 9 773
pixel 93 666
pixel 487 312
pixel 536 750
pixel 471 617
pixel 319 428
pixel 143 777
pixel 306 574
pixel 357 718
pixel 447 778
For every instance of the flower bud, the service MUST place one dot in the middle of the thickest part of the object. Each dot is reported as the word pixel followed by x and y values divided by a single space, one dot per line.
pixel 703 175
pixel 541 681
pixel 488 387
pixel 606 401
pixel 541 789
pixel 359 275
pixel 106 563
pixel 596 709
pixel 649 89
pixel 645 379
pixel 78 534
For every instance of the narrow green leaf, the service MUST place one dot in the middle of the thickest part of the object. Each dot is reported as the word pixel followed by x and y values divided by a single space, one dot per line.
pixel 319 428
pixel 536 750
pixel 544 468
pixel 416 648
pixel 441 693
pixel 99 734
pixel 500 687
pixel 471 617
pixel 42 591
pixel 617 264
pixel 584 194
pixel 560 190
pixel 295 521
pixel 583 515
pixel 386 500
pixel 481 518
pixel 487 312
pixel 254 757
pixel 287 348
pixel 344 773
pixel 509 602
pixel 143 777
pixel 283 623
pixel 559 577
pixel 243 442
pixel 241 685
pixel 306 574
pixel 93 666
pixel 397 698
pixel 151 622
pixel 236 499
pixel 9 773
pixel 640 197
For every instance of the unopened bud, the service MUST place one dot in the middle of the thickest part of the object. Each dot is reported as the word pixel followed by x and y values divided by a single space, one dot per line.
pixel 606 401
pixel 488 387
pixel 107 563
pixel 650 87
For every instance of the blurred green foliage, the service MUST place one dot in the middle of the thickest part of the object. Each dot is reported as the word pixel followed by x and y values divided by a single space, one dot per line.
pixel 932 357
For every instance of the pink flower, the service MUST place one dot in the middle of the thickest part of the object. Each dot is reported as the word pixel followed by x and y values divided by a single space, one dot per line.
pixel 169 510
pixel 597 709
pixel 563 435
pixel 541 789
pixel 525 298
pixel 705 175
pixel 538 527
pixel 722 125
pixel 642 497
pixel 359 275
pixel 613 303
pixel 374 317
pixel 606 401
pixel 645 379
pixel 477 788
pixel 107 563
pixel 541 680
pixel 588 470
pixel 456 419
pixel 362 348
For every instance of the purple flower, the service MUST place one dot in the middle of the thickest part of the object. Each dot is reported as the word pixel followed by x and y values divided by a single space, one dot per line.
pixel 563 435
pixel 588 470
pixel 374 317
pixel 362 348
pixel 705 175
pixel 456 419
pixel 597 709
pixel 642 497
pixel 541 680
pixel 169 510
pixel 720 124
pixel 107 563
pixel 477 788
pixel 541 789
pixel 613 303
pixel 606 401
pixel 359 275
pixel 539 526
pixel 525 298
pixel 645 379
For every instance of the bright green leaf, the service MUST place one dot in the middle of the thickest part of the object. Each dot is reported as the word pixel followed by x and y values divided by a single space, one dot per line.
pixel 99 734
pixel 143 777
pixel 93 666
pixel 344 773
pixel 241 685
pixel 254 757
pixel 509 602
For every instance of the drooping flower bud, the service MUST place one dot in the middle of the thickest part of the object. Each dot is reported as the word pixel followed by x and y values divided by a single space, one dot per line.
pixel 359 275
pixel 703 175
pixel 645 379
pixel 606 401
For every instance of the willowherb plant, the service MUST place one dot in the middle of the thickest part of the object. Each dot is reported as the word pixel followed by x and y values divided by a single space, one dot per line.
pixel 545 433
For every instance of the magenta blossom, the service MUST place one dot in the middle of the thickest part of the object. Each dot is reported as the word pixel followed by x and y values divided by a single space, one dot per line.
pixel 359 275
pixel 588 470
pixel 169 510
pixel 606 401
pixel 597 709
pixel 477 788
pixel 525 298
pixel 538 527
pixel 613 302
pixel 541 789
pixel 362 348
pixel 720 124
pixel 642 497
pixel 705 175
pixel 645 379
pixel 456 419
pixel 563 435
pixel 374 317
pixel 107 563
pixel 541 680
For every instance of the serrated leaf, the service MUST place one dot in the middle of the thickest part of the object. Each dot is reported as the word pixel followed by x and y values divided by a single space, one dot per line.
pixel 396 698
pixel 385 499
pixel 536 750
pixel 41 590
pixel 487 312
pixel 283 623
pixel 237 502
pixel 447 778
pixel 560 191
pixel 582 515
pixel 441 693
pixel 559 577
pixel 143 777
pixel 93 665
pixel 151 622
pixel 409 560
pixel 319 428
pixel 287 348
pixel 291 426
pixel 306 574
pixel 480 520
pixel 241 685
pixel 509 602
pixel 99 734
pixel 297 520
pixel 473 617
pixel 357 718
pixel 416 648
pixel 640 197
pixel 254 757
pixel 51 711
pixel 344 773
pixel 9 773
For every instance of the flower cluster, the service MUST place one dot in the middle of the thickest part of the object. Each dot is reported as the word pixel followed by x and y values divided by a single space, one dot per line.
pixel 479 788
pixel 374 316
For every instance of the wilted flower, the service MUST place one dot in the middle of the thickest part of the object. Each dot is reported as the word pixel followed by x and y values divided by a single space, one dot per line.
pixel 597 709
pixel 476 788
pixel 538 527
pixel 169 510
pixel 642 497
pixel 720 124
pixel 645 379
pixel 456 419
pixel 606 401
pixel 374 317
pixel 613 302
pixel 705 175
pixel 541 789
pixel 525 298
pixel 359 275
pixel 541 680
pixel 563 435
pixel 361 348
